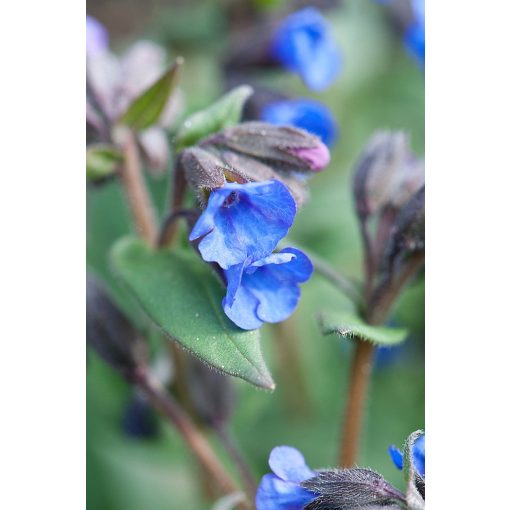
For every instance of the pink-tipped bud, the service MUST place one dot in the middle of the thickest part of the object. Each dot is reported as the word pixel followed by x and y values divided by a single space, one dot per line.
pixel 317 157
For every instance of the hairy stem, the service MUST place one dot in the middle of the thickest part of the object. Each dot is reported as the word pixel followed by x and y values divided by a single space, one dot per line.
pixel 339 280
pixel 136 191
pixel 191 435
pixel 379 307
pixel 358 390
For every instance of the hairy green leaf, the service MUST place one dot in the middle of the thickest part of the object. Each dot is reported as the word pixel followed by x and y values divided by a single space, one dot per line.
pixel 221 114
pixel 349 325
pixel 146 109
pixel 182 295
pixel 102 161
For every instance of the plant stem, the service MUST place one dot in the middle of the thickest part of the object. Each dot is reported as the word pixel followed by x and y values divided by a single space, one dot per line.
pixel 339 280
pixel 358 389
pixel 379 307
pixel 233 452
pixel 191 435
pixel 136 191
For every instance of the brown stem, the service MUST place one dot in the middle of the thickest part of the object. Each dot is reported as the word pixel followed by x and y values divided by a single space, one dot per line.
pixel 191 435
pixel 136 191
pixel 358 386
pixel 378 310
pixel 233 452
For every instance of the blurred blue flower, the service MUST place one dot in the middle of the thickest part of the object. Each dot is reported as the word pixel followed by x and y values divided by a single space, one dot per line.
pixel 306 114
pixel 97 36
pixel 281 490
pixel 418 455
pixel 139 419
pixel 303 44
pixel 243 223
pixel 414 37
pixel 265 290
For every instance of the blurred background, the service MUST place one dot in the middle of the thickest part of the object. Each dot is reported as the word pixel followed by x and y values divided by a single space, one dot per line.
pixel 135 464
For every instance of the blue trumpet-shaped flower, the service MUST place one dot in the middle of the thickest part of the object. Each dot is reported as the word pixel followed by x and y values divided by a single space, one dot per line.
pixel 244 222
pixel 304 44
pixel 265 290
pixel 280 490
pixel 414 37
pixel 418 455
pixel 306 114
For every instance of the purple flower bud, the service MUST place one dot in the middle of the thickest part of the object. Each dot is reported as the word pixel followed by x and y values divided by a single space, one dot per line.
pixel 283 148
pixel 97 37
pixel 317 157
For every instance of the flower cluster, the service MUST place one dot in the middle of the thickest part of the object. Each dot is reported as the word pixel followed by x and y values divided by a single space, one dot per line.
pixel 239 230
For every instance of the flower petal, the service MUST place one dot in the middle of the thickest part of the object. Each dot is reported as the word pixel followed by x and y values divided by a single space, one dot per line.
pixel 289 464
pixel 396 456
pixel 259 215
pixel 276 494
pixel 419 455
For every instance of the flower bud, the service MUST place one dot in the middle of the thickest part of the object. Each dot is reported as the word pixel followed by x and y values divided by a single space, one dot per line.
pixel 203 170
pixel 350 489
pixel 387 173
pixel 408 233
pixel 283 148
pixel 110 333
pixel 211 392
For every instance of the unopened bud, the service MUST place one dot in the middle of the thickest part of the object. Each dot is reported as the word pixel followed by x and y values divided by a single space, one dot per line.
pixel 387 173
pixel 110 333
pixel 283 148
pixel 211 392
pixel 351 489
pixel 408 233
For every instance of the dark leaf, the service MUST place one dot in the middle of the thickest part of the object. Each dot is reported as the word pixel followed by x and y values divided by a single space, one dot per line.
pixel 110 333
pixel 211 393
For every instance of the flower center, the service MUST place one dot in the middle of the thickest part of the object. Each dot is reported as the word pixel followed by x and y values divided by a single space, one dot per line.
pixel 232 199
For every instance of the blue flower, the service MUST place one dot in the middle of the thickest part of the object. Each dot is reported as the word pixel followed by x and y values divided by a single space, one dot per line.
pixel 414 38
pixel 303 44
pixel 265 290
pixel 306 114
pixel 281 490
pixel 418 455
pixel 243 223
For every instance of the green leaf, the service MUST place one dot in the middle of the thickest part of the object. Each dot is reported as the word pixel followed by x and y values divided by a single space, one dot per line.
pixel 182 295
pixel 349 325
pixel 102 161
pixel 221 114
pixel 146 109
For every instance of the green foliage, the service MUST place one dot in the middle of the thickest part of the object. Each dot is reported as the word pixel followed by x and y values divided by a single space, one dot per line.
pixel 102 161
pixel 183 296
pixel 349 325
pixel 146 109
pixel 221 114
